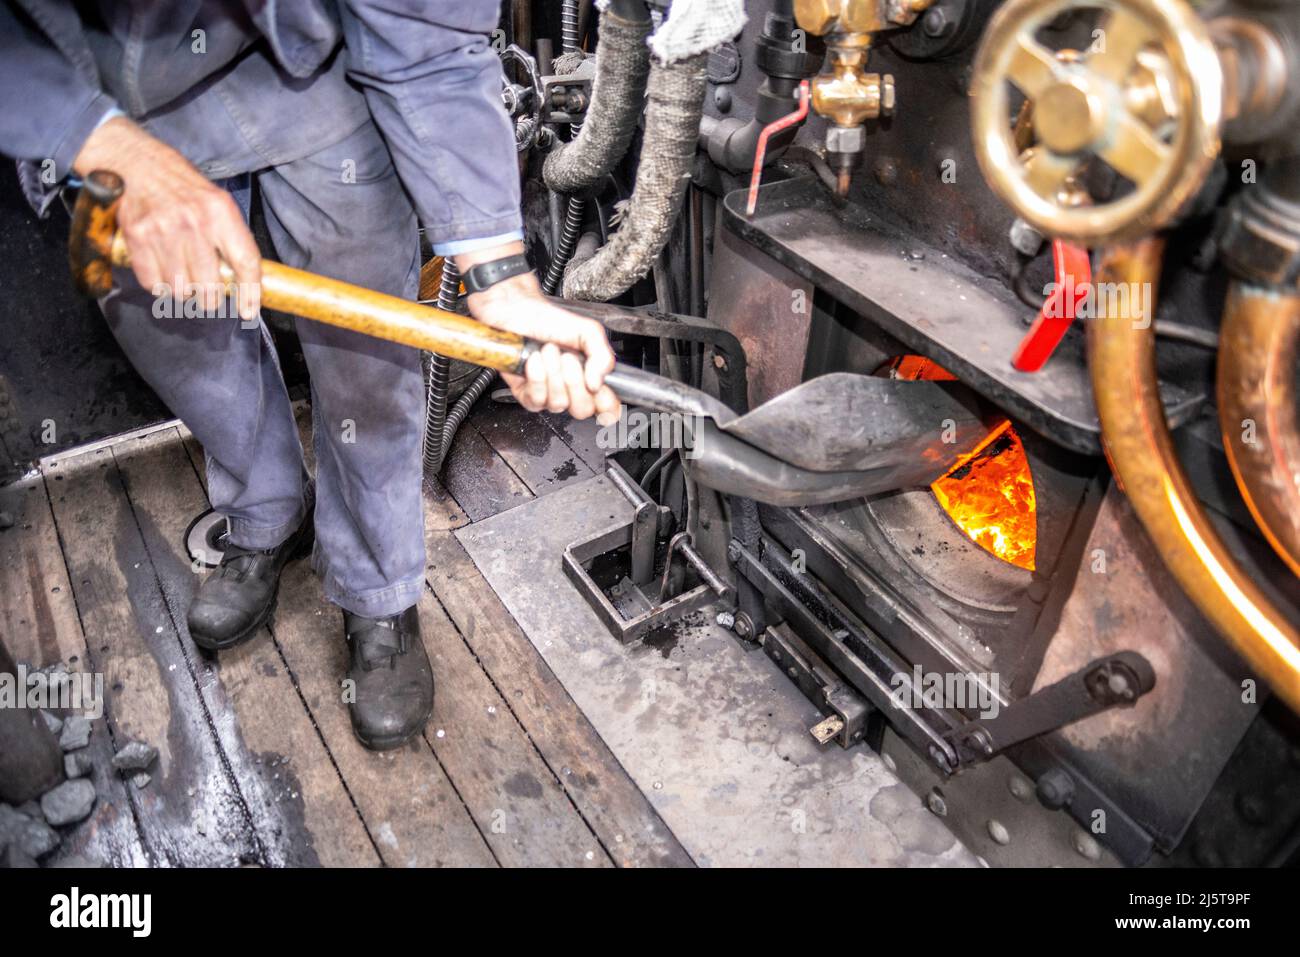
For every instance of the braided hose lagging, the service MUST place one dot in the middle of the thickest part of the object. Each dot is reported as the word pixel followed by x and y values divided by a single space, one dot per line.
pixel 438 378
pixel 617 96
pixel 672 128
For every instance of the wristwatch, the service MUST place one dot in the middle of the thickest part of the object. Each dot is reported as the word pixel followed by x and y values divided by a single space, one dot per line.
pixel 480 277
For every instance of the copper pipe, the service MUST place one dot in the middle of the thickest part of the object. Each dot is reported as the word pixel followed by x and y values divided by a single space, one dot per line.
pixel 1257 409
pixel 1121 357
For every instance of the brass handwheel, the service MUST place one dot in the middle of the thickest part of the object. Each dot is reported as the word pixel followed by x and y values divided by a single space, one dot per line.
pixel 1146 98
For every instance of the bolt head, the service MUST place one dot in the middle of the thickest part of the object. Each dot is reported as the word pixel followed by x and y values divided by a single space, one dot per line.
pixel 1086 846
pixel 1025 239
pixel 935 803
pixel 1055 789
pixel 845 139
pixel 1020 787
pixel 937 23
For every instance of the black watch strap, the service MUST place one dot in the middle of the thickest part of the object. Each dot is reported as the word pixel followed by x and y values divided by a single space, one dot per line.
pixel 480 277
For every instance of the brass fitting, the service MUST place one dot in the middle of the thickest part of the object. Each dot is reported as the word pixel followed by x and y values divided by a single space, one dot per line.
pixel 824 17
pixel 848 95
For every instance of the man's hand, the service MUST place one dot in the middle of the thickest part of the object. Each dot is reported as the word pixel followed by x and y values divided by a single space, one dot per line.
pixel 175 222
pixel 554 380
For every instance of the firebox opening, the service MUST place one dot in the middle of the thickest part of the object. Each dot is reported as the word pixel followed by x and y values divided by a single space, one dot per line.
pixel 989 494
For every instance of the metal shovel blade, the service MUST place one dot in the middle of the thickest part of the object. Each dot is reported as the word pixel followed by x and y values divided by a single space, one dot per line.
pixel 835 437
pixel 834 423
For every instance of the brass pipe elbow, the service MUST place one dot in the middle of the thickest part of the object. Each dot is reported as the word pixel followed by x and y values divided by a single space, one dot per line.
pixel 1121 359
pixel 1258 344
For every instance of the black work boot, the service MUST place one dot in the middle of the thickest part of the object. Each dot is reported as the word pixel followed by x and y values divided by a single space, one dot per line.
pixel 391 695
pixel 238 598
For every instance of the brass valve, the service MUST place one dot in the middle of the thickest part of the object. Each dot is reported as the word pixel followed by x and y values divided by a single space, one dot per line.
pixel 846 94
pixel 1146 98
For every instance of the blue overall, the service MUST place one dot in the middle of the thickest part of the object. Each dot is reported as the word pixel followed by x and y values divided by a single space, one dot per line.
pixel 359 121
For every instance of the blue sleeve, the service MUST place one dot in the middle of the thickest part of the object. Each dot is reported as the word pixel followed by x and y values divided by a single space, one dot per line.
pixel 433 84
pixel 47 107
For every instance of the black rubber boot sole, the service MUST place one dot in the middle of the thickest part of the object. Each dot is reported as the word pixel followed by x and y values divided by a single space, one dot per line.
pixel 389 743
pixel 301 549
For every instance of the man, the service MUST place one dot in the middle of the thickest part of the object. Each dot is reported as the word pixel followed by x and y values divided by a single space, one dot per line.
pixel 357 118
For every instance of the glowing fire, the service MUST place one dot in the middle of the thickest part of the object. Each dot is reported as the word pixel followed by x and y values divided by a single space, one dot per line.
pixel 989 494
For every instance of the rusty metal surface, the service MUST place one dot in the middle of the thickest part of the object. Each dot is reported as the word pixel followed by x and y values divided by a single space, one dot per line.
pixel 767 307
pixel 1159 759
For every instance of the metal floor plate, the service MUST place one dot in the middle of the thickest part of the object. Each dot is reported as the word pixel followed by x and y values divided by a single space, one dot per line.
pixel 711 731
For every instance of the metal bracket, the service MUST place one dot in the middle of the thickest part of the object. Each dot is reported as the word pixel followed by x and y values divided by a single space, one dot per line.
pixel 883 677
pixel 729 361
pixel 1116 681
pixel 846 710
pixel 639 536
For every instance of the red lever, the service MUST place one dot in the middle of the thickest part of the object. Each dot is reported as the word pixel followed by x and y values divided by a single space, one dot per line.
pixel 1073 282
pixel 760 153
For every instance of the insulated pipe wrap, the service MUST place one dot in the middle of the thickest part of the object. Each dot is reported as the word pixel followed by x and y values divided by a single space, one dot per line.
pixel 622 67
pixel 672 126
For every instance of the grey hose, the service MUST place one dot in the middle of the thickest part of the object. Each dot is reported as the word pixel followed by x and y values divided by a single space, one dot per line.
pixel 672 126
pixel 622 66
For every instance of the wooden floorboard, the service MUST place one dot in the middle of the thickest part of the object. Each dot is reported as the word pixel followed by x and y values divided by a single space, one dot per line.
pixel 40 626
pixel 610 802
pixel 412 810
pixel 518 802
pixel 582 437
pixel 301 810
pixel 192 812
pixel 479 478
pixel 533 450
pixel 258 759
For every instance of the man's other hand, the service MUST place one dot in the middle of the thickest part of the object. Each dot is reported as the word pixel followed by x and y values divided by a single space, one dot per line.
pixel 175 222
pixel 554 378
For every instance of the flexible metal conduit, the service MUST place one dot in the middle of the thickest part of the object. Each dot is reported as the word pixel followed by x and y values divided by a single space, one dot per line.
pixel 1121 358
pixel 440 426
pixel 573 215
pixel 438 377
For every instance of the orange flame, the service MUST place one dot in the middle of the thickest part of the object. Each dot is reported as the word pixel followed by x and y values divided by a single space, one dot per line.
pixel 989 494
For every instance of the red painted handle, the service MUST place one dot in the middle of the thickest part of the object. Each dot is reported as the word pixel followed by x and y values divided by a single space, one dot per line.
pixel 1073 281
pixel 760 153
